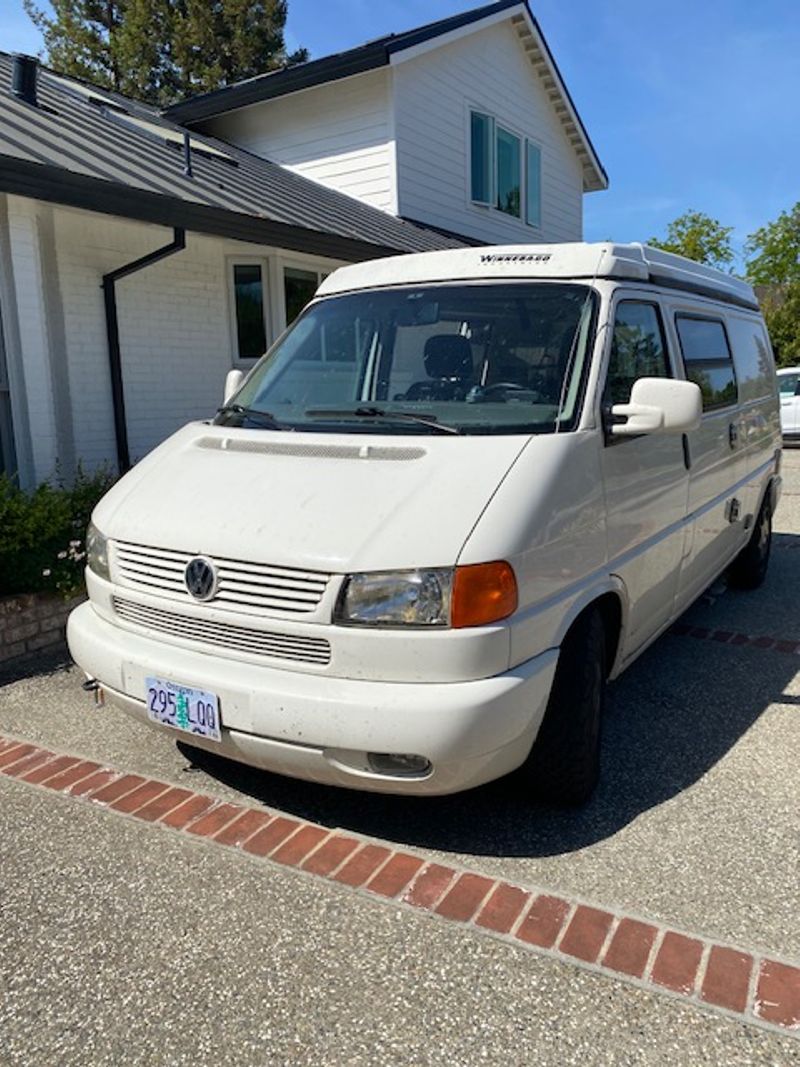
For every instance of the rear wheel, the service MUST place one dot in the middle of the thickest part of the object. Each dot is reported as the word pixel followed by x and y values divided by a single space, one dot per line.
pixel 564 764
pixel 749 569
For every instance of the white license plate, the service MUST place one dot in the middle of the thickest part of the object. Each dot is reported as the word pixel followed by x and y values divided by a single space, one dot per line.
pixel 194 711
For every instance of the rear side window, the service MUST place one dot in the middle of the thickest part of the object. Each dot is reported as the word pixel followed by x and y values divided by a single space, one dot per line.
pixel 752 357
pixel 637 349
pixel 707 357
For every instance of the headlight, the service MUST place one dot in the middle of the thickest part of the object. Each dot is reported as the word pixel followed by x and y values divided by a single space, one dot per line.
pixel 396 598
pixel 474 595
pixel 97 552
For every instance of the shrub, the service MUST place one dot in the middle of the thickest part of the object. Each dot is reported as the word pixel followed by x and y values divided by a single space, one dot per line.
pixel 43 533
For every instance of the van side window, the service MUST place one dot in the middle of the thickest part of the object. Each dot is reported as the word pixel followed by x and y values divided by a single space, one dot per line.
pixel 707 357
pixel 637 349
pixel 789 384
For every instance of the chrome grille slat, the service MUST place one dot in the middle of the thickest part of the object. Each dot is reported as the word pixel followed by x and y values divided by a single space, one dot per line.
pixel 241 584
pixel 313 650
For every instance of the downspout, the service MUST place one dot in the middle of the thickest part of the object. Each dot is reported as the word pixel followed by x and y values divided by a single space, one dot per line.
pixel 177 244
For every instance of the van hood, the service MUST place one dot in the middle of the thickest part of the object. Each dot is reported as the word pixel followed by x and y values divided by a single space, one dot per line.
pixel 334 503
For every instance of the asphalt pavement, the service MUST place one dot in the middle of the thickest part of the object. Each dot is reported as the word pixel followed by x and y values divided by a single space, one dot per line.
pixel 119 942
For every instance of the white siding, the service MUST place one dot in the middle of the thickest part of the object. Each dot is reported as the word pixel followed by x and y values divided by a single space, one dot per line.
pixel 433 92
pixel 337 134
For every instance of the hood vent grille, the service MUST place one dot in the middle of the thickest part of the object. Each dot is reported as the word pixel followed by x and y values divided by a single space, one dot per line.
pixel 320 451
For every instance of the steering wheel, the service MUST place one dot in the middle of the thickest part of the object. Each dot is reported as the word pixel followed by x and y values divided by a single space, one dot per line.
pixel 502 387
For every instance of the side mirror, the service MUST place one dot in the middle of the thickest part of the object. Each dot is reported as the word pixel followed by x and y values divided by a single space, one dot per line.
pixel 233 380
pixel 659 405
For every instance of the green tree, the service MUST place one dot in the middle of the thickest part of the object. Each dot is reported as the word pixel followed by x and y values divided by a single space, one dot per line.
pixel 774 266
pixel 775 250
pixel 697 236
pixel 161 50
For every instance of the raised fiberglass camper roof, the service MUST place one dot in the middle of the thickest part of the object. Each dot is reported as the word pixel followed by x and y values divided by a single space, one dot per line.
pixel 631 262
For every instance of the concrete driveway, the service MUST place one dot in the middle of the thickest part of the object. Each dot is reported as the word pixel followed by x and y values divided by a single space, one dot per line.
pixel 122 941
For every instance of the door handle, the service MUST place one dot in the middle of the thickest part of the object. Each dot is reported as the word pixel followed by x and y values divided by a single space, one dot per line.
pixel 733 434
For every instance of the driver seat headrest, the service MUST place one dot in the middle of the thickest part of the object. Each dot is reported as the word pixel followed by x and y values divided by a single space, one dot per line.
pixel 448 356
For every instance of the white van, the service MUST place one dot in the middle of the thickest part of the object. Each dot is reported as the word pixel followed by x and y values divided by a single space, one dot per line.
pixel 462 492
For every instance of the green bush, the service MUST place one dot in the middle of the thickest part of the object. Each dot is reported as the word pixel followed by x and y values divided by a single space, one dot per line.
pixel 43 533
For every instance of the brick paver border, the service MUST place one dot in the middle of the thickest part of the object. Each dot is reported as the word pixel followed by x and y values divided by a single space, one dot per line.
pixel 789 646
pixel 744 984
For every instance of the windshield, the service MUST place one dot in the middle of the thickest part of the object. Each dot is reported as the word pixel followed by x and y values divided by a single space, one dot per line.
pixel 468 359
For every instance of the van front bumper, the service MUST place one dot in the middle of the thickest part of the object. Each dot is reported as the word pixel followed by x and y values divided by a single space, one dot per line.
pixel 321 728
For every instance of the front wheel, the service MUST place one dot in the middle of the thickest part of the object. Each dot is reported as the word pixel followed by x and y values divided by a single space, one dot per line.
pixel 564 764
pixel 749 569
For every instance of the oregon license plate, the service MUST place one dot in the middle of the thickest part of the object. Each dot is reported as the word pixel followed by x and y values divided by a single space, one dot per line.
pixel 194 711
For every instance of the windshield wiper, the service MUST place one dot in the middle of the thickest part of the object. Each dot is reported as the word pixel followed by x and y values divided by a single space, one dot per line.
pixel 392 416
pixel 263 417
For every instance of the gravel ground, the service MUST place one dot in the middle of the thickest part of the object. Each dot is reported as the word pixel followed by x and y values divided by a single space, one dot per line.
pixel 695 824
pixel 121 943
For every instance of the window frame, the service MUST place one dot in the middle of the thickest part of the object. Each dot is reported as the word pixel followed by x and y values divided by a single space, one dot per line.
pixel 699 316
pixel 631 297
pixel 526 143
pixel 231 262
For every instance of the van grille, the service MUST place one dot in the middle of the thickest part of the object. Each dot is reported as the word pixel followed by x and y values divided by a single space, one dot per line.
pixel 241 585
pixel 221 635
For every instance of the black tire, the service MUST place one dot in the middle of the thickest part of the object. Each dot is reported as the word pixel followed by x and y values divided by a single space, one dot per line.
pixel 564 764
pixel 749 569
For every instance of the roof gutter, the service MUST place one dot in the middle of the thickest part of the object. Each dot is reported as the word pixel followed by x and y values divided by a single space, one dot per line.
pixel 177 244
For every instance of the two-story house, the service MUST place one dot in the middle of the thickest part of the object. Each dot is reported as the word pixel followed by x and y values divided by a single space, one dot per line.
pixel 142 255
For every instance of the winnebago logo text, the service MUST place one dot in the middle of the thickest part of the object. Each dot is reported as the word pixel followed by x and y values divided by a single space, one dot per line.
pixel 518 257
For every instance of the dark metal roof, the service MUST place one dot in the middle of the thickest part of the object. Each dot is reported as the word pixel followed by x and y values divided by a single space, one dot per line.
pixel 369 56
pixel 93 149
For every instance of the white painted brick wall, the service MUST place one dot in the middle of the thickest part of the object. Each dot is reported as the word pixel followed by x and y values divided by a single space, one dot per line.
pixel 174 320
pixel 24 243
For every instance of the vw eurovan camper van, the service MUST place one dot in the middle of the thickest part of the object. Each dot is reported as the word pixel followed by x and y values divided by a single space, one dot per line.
pixel 464 491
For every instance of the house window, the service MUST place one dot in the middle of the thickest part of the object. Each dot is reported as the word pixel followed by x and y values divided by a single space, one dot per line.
pixel 299 288
pixel 708 361
pixel 249 304
pixel 482 154
pixel 533 184
pixel 505 170
pixel 509 173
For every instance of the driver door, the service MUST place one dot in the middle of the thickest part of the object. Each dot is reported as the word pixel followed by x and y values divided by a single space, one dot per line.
pixel 646 478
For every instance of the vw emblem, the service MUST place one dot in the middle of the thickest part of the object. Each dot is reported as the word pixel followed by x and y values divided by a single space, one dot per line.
pixel 200 577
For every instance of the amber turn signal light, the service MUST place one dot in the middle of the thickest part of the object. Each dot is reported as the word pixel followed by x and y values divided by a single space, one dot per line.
pixel 483 593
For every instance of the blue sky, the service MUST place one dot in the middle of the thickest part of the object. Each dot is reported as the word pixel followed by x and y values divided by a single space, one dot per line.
pixel 692 104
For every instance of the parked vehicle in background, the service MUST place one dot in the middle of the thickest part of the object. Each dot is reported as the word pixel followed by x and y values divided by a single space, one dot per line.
pixel 461 493
pixel 789 390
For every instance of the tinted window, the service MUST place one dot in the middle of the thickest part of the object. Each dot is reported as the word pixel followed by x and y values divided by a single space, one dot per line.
pixel 299 286
pixel 707 358
pixel 251 334
pixel 637 350
pixel 787 383
pixel 752 357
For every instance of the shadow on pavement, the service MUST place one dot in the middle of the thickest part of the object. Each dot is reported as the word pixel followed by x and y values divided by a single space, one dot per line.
pixel 672 717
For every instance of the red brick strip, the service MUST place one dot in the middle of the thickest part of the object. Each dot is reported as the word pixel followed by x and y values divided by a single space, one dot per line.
pixel 788 646
pixel 754 988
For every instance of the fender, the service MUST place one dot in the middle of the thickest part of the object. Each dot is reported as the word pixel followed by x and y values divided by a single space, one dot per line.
pixel 601 586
